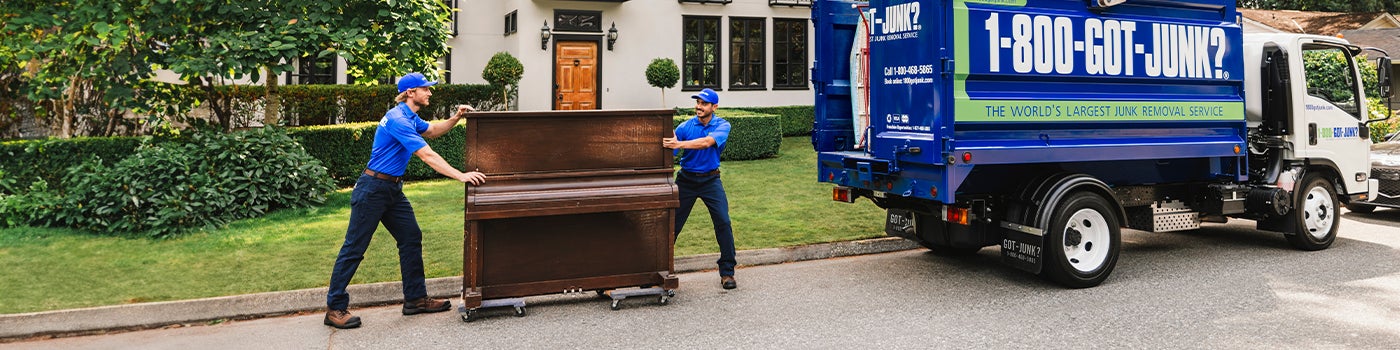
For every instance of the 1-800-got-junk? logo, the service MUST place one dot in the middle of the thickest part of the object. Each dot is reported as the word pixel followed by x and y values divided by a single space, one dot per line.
pixel 900 18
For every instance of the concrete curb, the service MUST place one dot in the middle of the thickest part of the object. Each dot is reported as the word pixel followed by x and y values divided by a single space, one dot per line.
pixel 159 314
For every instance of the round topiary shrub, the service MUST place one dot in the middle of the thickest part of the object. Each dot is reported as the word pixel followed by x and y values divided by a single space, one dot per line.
pixel 662 73
pixel 503 71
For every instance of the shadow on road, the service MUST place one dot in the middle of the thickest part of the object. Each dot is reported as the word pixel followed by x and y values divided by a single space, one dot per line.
pixel 1382 216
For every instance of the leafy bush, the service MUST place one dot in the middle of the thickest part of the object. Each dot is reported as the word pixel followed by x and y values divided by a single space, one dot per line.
pixel 751 135
pixel 200 181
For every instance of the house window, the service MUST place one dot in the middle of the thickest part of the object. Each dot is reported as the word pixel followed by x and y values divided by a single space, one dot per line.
pixel 700 61
pixel 789 53
pixel 446 66
pixel 790 3
pixel 511 19
pixel 452 6
pixel 313 70
pixel 746 58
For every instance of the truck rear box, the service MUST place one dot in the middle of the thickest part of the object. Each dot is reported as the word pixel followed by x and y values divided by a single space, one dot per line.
pixel 962 91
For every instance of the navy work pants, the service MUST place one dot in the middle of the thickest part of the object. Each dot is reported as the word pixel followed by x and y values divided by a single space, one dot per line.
pixel 710 190
pixel 375 201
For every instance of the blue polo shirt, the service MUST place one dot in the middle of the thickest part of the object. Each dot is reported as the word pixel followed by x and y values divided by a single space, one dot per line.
pixel 707 159
pixel 398 136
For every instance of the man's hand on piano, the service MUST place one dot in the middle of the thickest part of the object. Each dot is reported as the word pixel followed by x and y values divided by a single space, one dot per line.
pixel 473 177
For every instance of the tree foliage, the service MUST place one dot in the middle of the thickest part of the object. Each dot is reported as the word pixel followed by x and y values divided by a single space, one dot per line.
pixel 115 46
pixel 1323 5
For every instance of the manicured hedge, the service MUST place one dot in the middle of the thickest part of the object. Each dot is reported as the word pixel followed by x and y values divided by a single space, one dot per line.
pixel 344 150
pixel 751 135
pixel 309 105
pixel 796 120
pixel 24 162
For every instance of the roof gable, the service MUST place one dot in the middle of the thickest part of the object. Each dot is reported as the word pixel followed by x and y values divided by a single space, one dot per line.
pixel 1319 23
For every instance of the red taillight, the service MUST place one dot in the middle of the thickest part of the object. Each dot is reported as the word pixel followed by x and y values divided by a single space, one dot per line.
pixel 933 191
pixel 830 177
pixel 842 194
pixel 956 215
pixel 967 157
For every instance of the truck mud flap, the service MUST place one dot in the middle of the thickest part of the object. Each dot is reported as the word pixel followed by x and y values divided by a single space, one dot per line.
pixel 901 223
pixel 1021 246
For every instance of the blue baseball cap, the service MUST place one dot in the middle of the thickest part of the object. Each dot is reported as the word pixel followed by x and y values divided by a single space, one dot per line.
pixel 414 80
pixel 707 95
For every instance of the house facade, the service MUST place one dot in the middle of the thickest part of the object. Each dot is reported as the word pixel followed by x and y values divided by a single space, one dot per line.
pixel 593 54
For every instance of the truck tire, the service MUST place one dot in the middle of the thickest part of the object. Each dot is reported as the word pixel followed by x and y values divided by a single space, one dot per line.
pixel 1082 243
pixel 1317 211
pixel 1360 208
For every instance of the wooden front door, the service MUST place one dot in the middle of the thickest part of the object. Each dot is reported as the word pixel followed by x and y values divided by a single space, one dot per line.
pixel 576 75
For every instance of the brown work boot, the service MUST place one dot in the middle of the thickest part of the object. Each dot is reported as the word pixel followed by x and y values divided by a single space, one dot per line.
pixel 341 319
pixel 426 305
pixel 727 282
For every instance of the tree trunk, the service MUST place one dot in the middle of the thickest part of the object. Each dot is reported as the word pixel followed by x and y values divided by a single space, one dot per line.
pixel 66 129
pixel 272 114
pixel 217 104
pixel 112 117
pixel 663 98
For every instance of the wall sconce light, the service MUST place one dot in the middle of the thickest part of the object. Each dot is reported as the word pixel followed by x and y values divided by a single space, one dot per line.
pixel 544 36
pixel 612 36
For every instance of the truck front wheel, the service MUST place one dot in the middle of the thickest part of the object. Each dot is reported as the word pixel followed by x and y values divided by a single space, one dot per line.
pixel 1082 244
pixel 1316 204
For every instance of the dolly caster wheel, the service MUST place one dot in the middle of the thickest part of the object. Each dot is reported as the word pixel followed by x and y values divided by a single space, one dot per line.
pixel 469 316
pixel 519 311
pixel 615 307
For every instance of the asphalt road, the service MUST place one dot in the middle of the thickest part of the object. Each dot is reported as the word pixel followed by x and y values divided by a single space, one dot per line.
pixel 1225 286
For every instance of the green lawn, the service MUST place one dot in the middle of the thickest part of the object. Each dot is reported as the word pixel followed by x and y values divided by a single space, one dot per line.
pixel 774 202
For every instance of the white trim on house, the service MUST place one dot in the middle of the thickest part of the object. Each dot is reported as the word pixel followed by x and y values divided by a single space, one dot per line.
pixel 1252 26
pixel 647 29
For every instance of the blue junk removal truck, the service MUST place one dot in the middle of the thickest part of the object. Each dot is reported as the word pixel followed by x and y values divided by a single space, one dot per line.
pixel 1044 127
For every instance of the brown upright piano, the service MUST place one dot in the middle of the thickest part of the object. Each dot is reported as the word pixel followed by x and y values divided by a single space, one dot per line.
pixel 575 201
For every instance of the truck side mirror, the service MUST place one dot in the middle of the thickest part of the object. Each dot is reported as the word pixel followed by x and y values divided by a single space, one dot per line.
pixel 1383 76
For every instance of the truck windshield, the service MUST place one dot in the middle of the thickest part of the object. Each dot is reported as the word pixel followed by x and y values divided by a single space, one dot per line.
pixel 1331 77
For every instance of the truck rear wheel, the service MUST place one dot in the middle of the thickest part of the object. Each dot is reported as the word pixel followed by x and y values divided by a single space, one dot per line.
pixel 1316 215
pixel 1082 243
